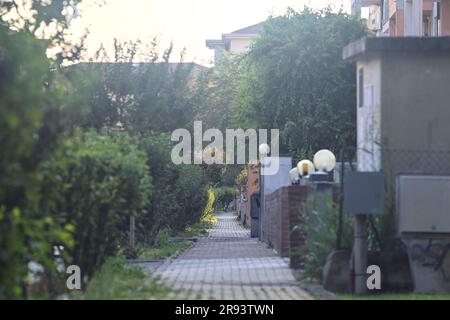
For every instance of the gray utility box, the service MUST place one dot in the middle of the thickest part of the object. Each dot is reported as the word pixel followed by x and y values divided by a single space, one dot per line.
pixel 364 192
pixel 423 205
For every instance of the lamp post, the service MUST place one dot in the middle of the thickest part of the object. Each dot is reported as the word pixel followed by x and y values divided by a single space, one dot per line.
pixel 264 150
pixel 324 162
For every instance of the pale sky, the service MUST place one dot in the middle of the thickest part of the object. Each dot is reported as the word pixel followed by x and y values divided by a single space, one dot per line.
pixel 188 23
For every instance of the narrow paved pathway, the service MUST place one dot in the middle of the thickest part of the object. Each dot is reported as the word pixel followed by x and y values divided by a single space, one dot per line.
pixel 229 265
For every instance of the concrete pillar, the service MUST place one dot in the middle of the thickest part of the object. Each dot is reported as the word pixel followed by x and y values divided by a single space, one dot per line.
pixel 413 11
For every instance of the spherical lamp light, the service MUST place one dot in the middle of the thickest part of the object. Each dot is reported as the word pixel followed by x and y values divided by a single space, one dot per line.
pixel 293 176
pixel 305 167
pixel 324 160
pixel 264 150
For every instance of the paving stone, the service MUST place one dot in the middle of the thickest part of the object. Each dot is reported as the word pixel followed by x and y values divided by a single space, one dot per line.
pixel 228 265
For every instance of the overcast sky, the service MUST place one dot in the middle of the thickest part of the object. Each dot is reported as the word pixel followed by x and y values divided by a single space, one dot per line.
pixel 185 22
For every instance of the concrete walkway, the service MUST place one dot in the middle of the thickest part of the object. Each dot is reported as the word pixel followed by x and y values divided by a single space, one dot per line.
pixel 229 265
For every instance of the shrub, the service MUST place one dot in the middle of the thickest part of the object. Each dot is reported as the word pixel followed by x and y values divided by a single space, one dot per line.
pixel 180 193
pixel 163 237
pixel 320 227
pixel 96 182
pixel 29 127
pixel 117 280
pixel 224 196
pixel 209 208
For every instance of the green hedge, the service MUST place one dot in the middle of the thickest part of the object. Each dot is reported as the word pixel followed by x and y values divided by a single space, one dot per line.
pixel 96 182
pixel 29 128
pixel 224 196
pixel 60 186
pixel 180 193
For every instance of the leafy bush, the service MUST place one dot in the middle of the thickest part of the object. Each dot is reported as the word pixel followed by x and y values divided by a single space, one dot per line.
pixel 162 238
pixel 320 227
pixel 96 182
pixel 180 193
pixel 224 196
pixel 117 280
pixel 30 100
pixel 209 208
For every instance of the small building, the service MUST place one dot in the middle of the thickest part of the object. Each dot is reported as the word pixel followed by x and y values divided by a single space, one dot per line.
pixel 396 18
pixel 403 116
pixel 402 102
pixel 238 41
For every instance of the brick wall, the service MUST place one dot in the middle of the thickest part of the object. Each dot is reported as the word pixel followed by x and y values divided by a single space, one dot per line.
pixel 283 213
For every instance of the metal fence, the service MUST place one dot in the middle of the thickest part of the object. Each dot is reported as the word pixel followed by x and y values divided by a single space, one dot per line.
pixel 392 163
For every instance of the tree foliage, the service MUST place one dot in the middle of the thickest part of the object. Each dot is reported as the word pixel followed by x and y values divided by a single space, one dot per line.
pixel 83 149
pixel 298 82
pixel 180 194
pixel 96 182
pixel 29 130
pixel 49 20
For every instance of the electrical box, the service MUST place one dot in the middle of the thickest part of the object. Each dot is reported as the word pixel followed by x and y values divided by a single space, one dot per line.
pixel 364 192
pixel 423 204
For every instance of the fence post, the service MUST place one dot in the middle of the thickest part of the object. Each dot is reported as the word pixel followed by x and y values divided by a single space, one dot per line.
pixel 360 254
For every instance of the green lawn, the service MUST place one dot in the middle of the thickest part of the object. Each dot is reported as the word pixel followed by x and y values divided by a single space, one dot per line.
pixel 410 296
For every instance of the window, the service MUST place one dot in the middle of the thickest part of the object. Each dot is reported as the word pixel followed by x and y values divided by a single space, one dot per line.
pixel 361 87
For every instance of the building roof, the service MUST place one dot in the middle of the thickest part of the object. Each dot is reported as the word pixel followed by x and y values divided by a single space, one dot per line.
pixel 376 45
pixel 249 31
pixel 253 29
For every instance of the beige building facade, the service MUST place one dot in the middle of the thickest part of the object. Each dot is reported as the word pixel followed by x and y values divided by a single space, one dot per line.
pixel 238 41
pixel 398 18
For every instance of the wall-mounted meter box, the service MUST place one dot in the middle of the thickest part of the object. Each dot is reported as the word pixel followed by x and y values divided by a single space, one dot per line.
pixel 423 205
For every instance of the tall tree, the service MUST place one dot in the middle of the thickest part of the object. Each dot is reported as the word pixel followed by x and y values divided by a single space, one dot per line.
pixel 298 82
pixel 49 20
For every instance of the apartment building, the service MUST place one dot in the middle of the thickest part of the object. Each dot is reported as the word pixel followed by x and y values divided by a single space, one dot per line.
pixel 397 18
pixel 235 42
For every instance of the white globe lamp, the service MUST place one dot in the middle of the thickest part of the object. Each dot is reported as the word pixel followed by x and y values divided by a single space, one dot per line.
pixel 324 160
pixel 264 150
pixel 305 168
pixel 293 176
